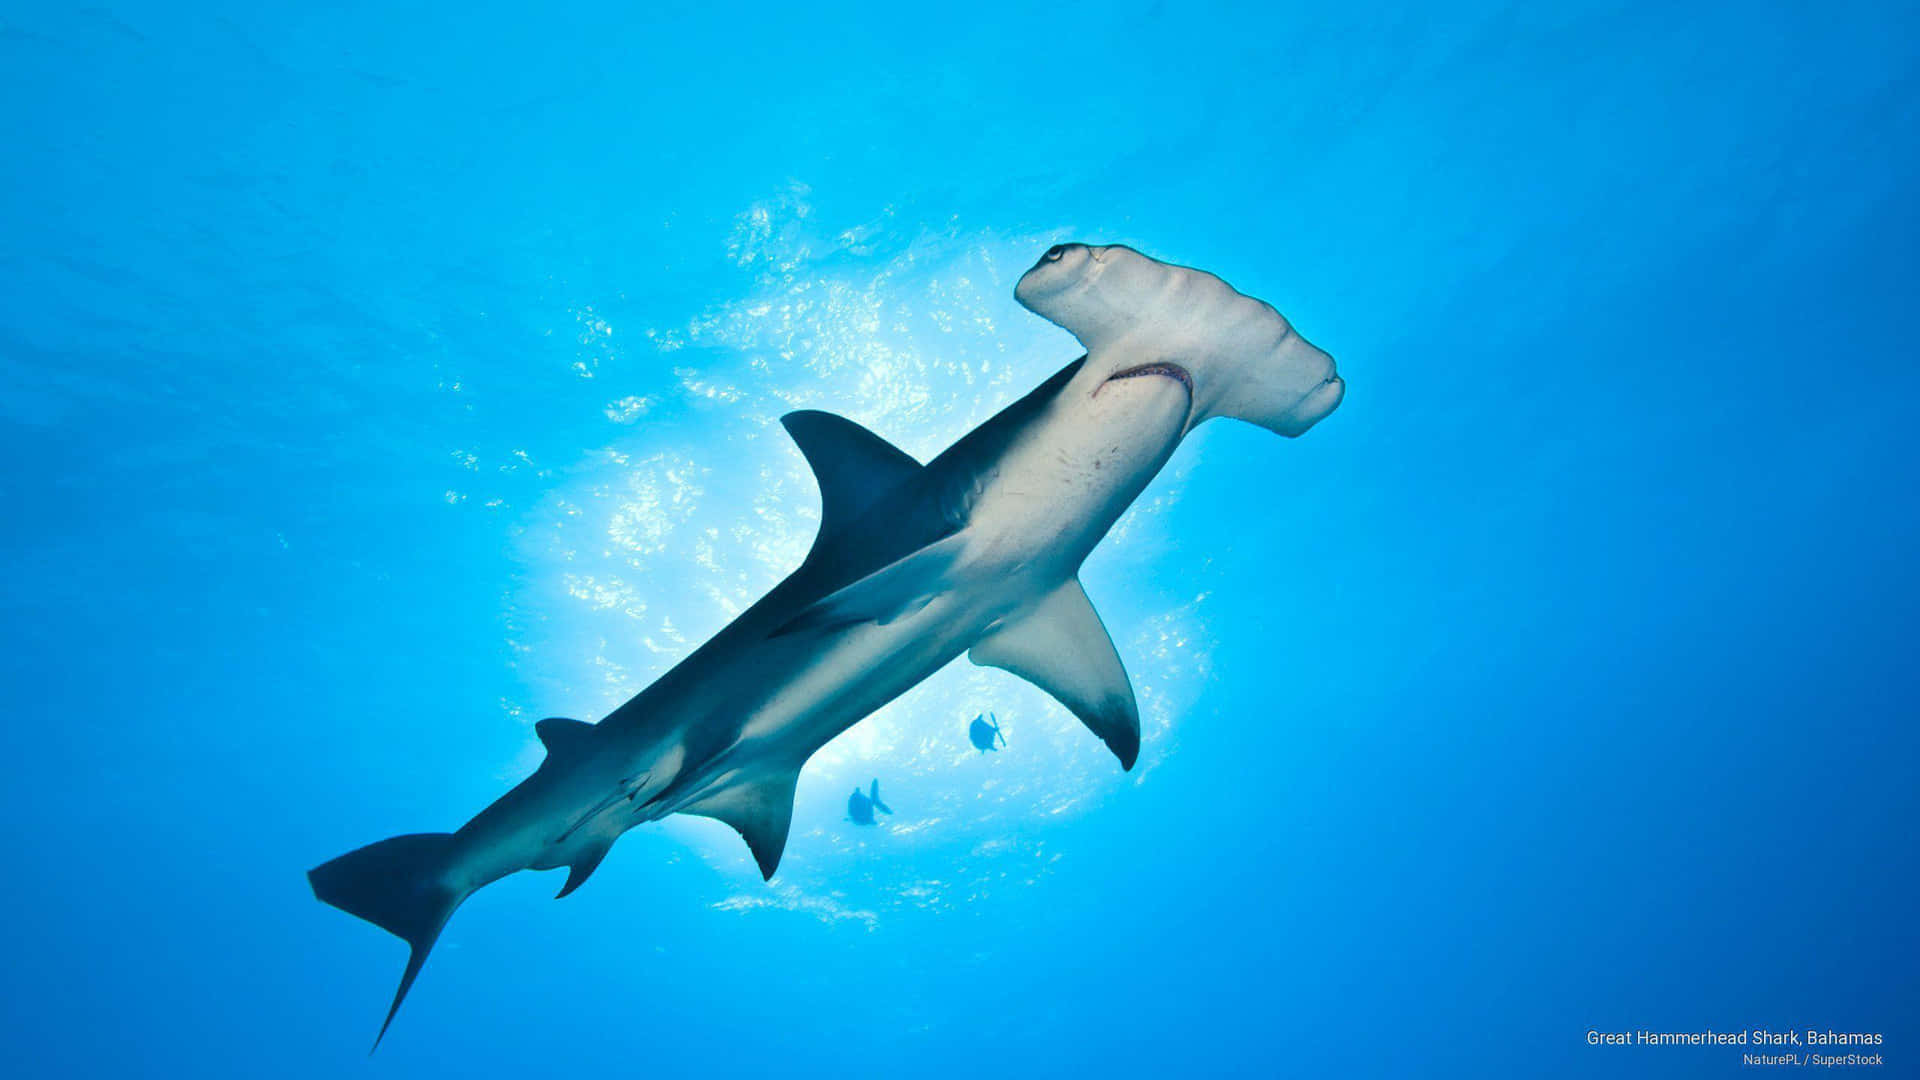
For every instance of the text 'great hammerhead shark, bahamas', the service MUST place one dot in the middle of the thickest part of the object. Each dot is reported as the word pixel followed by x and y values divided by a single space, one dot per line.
pixel 978 551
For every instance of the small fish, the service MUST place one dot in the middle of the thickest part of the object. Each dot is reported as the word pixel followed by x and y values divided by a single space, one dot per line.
pixel 860 806
pixel 984 730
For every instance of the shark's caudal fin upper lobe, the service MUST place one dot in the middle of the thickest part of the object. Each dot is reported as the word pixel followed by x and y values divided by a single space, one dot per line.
pixel 399 885
pixel 873 796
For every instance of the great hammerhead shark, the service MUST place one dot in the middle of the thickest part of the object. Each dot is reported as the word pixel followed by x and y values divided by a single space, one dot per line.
pixel 978 551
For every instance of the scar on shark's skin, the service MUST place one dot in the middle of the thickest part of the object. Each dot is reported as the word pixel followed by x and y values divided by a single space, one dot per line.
pixel 976 552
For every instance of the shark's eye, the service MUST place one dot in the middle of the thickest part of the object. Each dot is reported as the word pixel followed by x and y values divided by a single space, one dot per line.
pixel 1053 253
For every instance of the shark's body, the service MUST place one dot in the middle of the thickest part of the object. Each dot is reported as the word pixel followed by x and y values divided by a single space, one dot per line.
pixel 975 552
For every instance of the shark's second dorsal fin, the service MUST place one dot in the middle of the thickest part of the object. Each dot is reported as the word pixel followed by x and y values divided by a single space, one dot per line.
pixel 853 466
pixel 562 737
pixel 1061 647
pixel 761 811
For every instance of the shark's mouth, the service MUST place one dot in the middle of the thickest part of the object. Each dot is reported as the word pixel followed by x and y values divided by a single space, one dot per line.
pixel 1164 368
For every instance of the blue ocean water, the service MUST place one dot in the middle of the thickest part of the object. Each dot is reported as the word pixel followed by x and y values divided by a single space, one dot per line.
pixel 376 379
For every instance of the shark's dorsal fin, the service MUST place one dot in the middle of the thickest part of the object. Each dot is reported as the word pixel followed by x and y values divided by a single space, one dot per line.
pixel 853 466
pixel 761 812
pixel 896 590
pixel 583 867
pixel 562 737
pixel 1061 647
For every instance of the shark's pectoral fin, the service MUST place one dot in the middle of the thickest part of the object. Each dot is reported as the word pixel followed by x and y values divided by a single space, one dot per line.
pixel 761 812
pixel 1061 647
pixel 562 737
pixel 853 466
pixel 896 590
pixel 583 867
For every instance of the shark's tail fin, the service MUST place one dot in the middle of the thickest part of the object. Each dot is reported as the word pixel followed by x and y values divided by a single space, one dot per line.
pixel 997 733
pixel 873 796
pixel 401 886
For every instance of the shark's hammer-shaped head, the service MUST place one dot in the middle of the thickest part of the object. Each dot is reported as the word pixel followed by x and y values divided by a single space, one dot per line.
pixel 1138 316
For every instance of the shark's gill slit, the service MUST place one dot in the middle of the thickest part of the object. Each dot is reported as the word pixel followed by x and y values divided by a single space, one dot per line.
pixel 1165 368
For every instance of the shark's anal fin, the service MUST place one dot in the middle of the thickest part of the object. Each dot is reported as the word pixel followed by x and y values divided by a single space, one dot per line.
pixel 761 812
pixel 894 591
pixel 583 867
pixel 562 737
pixel 853 466
pixel 1061 647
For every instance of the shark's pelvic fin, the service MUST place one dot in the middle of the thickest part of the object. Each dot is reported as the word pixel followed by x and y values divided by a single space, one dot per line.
pixel 853 466
pixel 400 885
pixel 761 812
pixel 583 867
pixel 562 737
pixel 1061 647
pixel 891 592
